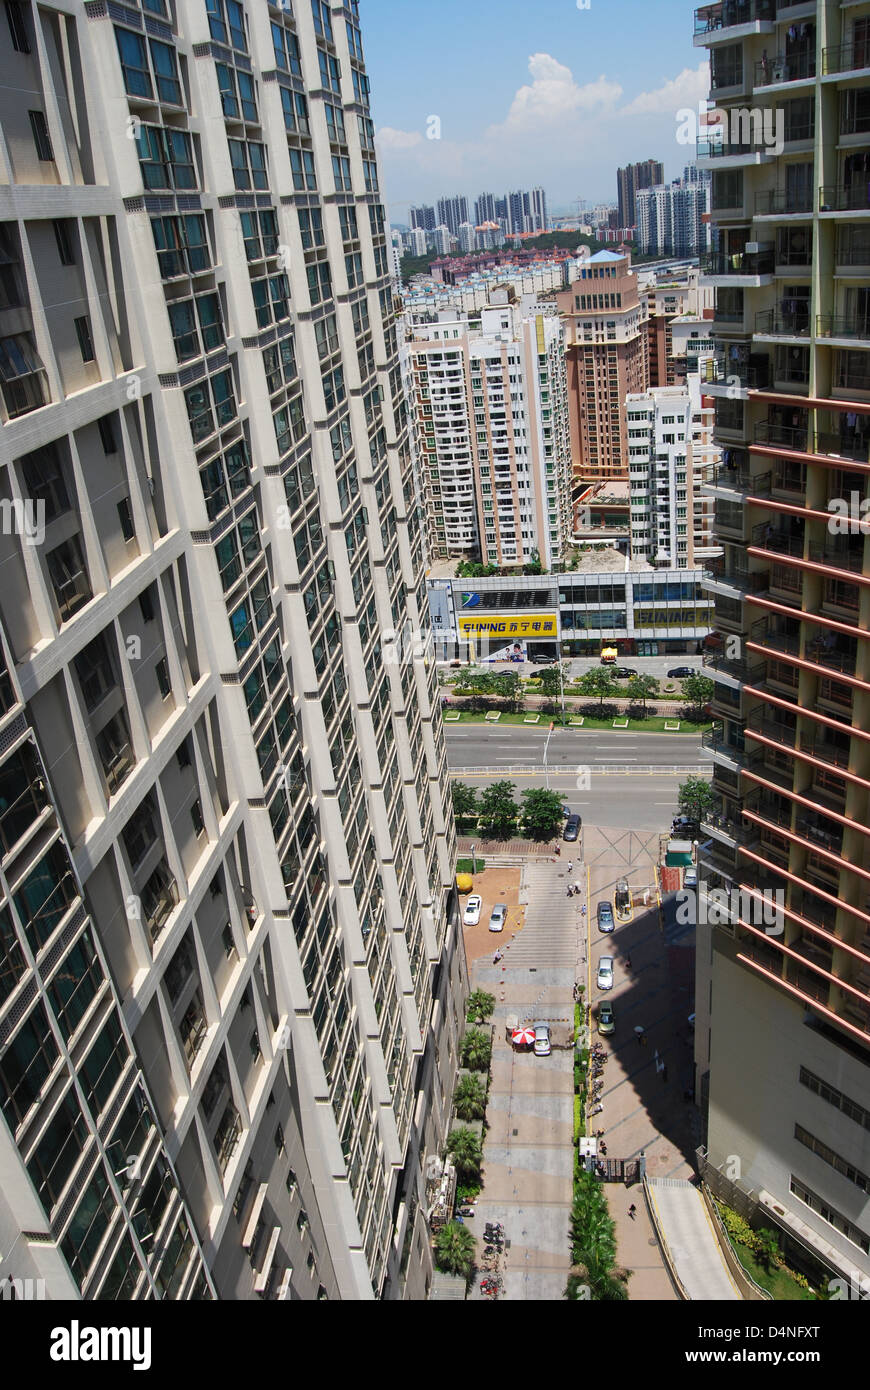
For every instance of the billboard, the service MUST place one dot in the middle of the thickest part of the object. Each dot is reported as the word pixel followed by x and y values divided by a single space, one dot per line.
pixel 504 627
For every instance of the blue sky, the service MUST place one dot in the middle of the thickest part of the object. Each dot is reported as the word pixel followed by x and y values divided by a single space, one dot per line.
pixel 527 92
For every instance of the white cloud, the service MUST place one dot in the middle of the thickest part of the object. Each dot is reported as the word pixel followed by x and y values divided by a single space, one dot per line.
pixel 553 96
pixel 687 89
pixel 390 139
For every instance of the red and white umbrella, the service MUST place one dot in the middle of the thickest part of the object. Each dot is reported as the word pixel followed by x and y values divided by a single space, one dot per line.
pixel 523 1035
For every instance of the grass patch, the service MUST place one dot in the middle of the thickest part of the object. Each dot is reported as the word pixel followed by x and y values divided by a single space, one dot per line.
pixel 578 1119
pixel 463 866
pixel 777 1282
pixel 654 725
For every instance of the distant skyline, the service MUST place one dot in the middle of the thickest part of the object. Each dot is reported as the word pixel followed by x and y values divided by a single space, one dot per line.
pixel 549 95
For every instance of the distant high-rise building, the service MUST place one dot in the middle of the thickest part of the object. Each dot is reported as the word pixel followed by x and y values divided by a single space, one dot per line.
pixel 452 212
pixel 484 208
pixel 647 174
pixel 538 209
pixel 440 240
pixel 423 217
pixel 466 237
pixel 498 473
pixel 672 219
pixel 417 242
pixel 607 356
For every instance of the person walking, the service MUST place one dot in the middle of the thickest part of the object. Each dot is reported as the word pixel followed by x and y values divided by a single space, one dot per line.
pixel 570 867
pixel 632 1211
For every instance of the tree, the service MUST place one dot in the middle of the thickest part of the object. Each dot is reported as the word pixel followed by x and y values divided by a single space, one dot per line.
pixel 498 810
pixel 599 682
pixel 480 1005
pixel 463 1146
pixel 551 681
pixel 469 1098
pixel 644 688
pixel 593 1246
pixel 476 1049
pixel 469 678
pixel 541 814
pixel 455 1249
pixel 464 801
pixel 506 684
pixel 695 798
pixel 767 1248
pixel 533 565
pixel 698 690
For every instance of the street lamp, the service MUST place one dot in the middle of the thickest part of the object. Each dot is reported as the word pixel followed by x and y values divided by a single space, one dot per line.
pixel 546 746
pixel 473 861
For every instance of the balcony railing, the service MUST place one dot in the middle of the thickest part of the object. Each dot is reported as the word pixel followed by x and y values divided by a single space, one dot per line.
pixel 792 324
pixel 739 479
pixel 714 148
pixel 794 67
pixel 842 326
pixel 851 559
pixel 774 729
pixel 726 14
pixel 767 537
pixel 772 201
pixel 823 651
pixel 767 636
pixel 853 197
pixel 750 374
pixel 787 436
pixel 850 446
pixel 729 666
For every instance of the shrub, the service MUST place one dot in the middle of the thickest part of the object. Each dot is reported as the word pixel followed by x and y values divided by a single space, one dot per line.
pixel 469 1099
pixel 463 1146
pixel 455 1248
pixel 480 1005
pixel 476 1050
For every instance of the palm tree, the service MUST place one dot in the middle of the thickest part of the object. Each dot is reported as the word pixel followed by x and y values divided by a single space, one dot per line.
pixel 463 1147
pixel 476 1050
pixel 454 1249
pixel 470 1098
pixel 480 1005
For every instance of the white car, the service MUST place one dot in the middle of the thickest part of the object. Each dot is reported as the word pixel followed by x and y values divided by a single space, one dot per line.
pixel 471 915
pixel 498 917
pixel 542 1040
pixel 690 878
pixel 604 978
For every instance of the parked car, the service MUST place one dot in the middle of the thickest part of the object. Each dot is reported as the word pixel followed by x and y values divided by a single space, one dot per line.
pixel 540 659
pixel 542 1040
pixel 606 1020
pixel 690 878
pixel 572 828
pixel 605 917
pixel 624 673
pixel 604 979
pixel 471 915
pixel 498 917
pixel 685 826
pixel 679 673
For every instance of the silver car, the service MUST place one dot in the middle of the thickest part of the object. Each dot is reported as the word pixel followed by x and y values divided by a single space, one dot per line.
pixel 604 979
pixel 542 1040
pixel 498 917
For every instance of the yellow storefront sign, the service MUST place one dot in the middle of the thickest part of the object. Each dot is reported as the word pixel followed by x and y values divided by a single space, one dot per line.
pixel 507 627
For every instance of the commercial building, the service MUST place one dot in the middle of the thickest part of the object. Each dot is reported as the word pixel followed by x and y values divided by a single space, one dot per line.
pixel 607 352
pixel 231 981
pixel 492 431
pixel 641 612
pixel 783 1051
pixel 670 454
pixel 649 173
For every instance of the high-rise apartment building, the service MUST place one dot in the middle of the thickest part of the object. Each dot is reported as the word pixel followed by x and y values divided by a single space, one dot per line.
pixel 538 210
pixel 647 174
pixel 670 455
pixel 671 294
pixel 673 219
pixel 493 432
pixel 783 1022
pixel 423 217
pixel 416 242
pixel 231 981
pixel 607 353
pixel 484 209
pixel 451 213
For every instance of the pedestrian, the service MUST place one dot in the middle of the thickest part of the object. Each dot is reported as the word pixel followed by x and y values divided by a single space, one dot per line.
pixel 558 850
pixel 570 891
pixel 602 1148
pixel 628 962
pixel 577 888
pixel 570 867
pixel 632 1211
pixel 583 910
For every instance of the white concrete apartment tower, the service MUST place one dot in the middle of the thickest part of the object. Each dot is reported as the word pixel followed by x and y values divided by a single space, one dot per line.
pixel 231 982
pixel 493 431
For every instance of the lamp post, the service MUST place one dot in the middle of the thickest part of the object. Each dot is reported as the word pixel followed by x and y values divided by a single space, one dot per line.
pixel 473 861
pixel 546 746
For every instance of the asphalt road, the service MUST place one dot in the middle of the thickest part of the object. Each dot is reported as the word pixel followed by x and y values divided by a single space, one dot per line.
pixel 644 802
pixel 519 745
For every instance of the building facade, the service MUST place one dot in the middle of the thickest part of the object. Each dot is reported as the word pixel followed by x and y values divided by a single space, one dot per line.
pixel 493 432
pixel 607 352
pixel 784 1050
pixel 673 219
pixel 647 174
pixel 670 455
pixel 227 865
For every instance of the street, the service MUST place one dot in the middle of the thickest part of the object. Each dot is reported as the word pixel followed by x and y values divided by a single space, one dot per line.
pixel 518 745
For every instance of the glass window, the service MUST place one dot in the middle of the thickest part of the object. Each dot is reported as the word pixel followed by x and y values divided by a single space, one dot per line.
pixel 75 984
pixel 57 1151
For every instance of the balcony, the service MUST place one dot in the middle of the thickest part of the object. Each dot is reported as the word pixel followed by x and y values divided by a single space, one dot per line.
pixel 751 372
pixel 719 574
pixel 789 323
pixel 848 444
pixel 783 436
pixel 774 729
pixel 765 536
pixel 728 14
pixel 846 57
pixel 736 477
pixel 840 557
pixel 766 632
pixel 773 202
pixel 851 326
pixel 833 652
pixel 785 67
pixel 821 831
pixel 852 197
pixel 738 670
pixel 714 148
pixel 782 776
